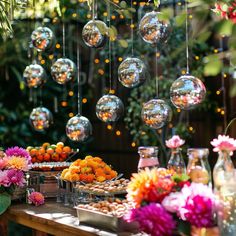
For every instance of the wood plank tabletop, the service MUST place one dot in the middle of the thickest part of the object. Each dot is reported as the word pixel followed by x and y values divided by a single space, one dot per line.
pixel 52 218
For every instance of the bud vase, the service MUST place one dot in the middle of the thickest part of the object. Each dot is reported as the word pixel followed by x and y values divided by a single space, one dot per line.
pixel 176 161
pixel 223 170
pixel 148 157
pixel 198 167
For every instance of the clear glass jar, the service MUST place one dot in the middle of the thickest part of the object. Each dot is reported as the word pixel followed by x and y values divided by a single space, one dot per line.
pixel 198 167
pixel 223 170
pixel 176 161
pixel 148 157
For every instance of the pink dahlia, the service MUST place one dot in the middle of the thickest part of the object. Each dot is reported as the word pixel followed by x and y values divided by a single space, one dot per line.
pixel 153 219
pixel 4 180
pixel 197 205
pixel 16 177
pixel 36 198
pixel 175 142
pixel 223 143
pixel 19 152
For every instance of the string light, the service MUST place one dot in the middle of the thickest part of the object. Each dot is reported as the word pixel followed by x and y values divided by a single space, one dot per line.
pixel 105 14
pixel 218 110
pixel 89 16
pixel 71 93
pixel 120 59
pixel 218 92
pixel 96 61
pixel 183 72
pixel 222 112
pixel 133 144
pixel 71 114
pixel 197 58
pixel 113 17
pixel 58 46
pixel 64 103
pixel 118 133
pixel 159 131
pixel 170 125
pixel 112 91
pixel 122 17
pixel 42 62
pixel 190 128
pixel 216 50
pixel 109 127
pixel 74 15
pixel 84 100
pixel 101 72
pixel 51 56
pixel 225 75
pixel 178 110
pixel 107 61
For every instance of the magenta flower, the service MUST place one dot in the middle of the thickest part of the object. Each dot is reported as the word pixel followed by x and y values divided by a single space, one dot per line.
pixel 153 219
pixel 175 142
pixel 36 198
pixel 223 143
pixel 4 180
pixel 19 152
pixel 198 205
pixel 16 177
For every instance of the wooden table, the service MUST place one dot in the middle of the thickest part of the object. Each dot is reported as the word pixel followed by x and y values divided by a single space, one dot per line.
pixel 51 218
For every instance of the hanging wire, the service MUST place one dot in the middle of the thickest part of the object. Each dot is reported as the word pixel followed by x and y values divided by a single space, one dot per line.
pixel 93 10
pixel 40 96
pixel 132 30
pixel 63 29
pixel 78 77
pixel 187 37
pixel 223 88
pixel 109 45
pixel 156 72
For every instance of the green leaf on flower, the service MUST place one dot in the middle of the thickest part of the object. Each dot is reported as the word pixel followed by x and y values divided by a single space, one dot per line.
pixel 5 202
pixel 180 178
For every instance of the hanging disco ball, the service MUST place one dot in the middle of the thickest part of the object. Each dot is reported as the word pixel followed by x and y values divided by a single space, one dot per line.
pixel 153 30
pixel 132 72
pixel 42 38
pixel 63 70
pixel 156 113
pixel 40 118
pixel 78 128
pixel 34 76
pixel 109 108
pixel 94 33
pixel 187 92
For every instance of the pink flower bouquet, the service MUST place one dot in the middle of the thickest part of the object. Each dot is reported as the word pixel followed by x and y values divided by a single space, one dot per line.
pixel 36 198
pixel 163 200
pixel 13 165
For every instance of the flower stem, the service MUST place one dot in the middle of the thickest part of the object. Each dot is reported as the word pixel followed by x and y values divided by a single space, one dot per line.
pixel 228 126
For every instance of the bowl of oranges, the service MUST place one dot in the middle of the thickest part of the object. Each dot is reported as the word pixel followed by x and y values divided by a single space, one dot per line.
pixel 49 153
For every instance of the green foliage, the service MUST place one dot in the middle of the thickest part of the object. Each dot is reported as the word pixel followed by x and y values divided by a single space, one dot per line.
pixel 5 202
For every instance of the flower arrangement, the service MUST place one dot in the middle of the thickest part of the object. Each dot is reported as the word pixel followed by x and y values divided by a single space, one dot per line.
pixel 224 143
pixel 227 10
pixel 14 162
pixel 36 198
pixel 160 196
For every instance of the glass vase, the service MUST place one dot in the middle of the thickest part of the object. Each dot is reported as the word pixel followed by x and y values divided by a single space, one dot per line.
pixel 226 212
pixel 148 157
pixel 198 167
pixel 176 161
pixel 223 170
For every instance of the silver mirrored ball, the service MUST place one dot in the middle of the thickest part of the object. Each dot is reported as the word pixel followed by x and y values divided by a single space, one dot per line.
pixel 78 128
pixel 153 30
pixel 40 118
pixel 187 92
pixel 42 38
pixel 132 72
pixel 156 113
pixel 109 108
pixel 34 76
pixel 63 70
pixel 94 33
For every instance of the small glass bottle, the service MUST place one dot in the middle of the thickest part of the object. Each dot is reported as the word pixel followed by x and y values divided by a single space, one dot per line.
pixel 223 170
pixel 176 161
pixel 148 157
pixel 198 167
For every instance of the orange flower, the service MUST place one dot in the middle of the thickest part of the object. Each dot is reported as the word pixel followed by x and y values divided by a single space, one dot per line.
pixel 18 163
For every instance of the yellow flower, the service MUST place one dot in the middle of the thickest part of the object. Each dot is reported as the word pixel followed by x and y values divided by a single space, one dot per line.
pixel 18 163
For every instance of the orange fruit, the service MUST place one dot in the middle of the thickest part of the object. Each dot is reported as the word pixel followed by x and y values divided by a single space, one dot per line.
pixel 33 152
pixel 41 151
pixel 63 156
pixel 60 144
pixel 50 151
pixel 67 149
pixel 47 157
pixel 55 157
pixel 58 150
pixel 40 158
pixel 33 160
pixel 46 145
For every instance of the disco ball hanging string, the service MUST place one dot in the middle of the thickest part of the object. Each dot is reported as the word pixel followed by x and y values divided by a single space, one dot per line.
pixel 156 112
pixel 187 91
pixel 132 72
pixel 109 108
pixel 78 128
pixel 63 69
